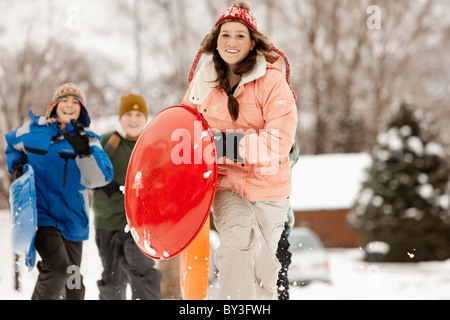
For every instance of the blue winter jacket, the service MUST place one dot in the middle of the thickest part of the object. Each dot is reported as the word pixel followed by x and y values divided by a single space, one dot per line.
pixel 61 175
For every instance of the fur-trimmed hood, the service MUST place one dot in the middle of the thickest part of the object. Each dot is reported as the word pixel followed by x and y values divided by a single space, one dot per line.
pixel 267 117
pixel 206 78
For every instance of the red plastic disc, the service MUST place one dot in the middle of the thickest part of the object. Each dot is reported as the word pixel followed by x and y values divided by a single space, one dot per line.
pixel 171 182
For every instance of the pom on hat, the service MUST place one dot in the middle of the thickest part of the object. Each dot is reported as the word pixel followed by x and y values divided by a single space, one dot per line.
pixel 69 89
pixel 133 102
pixel 239 11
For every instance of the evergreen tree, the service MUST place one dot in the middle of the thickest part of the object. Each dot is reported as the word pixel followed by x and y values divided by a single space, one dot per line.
pixel 405 199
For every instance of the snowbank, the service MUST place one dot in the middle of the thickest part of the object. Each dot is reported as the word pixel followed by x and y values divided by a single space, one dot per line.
pixel 329 181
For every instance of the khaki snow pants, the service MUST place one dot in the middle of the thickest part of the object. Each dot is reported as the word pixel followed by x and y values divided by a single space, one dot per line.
pixel 249 233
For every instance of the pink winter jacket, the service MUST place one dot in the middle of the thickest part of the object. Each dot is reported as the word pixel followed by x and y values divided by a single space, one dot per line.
pixel 268 120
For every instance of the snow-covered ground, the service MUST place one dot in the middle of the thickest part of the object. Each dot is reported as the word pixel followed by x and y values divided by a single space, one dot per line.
pixel 358 280
pixel 351 277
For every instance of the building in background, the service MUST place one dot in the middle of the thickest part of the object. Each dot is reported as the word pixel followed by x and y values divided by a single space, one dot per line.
pixel 324 189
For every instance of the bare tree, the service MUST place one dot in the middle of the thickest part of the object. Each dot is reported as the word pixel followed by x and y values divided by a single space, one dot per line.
pixel 28 79
pixel 349 76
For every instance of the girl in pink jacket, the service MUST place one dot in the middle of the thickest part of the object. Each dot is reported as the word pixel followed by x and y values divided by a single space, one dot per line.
pixel 241 92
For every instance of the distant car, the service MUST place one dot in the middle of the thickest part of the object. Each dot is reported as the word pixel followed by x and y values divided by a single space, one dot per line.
pixel 309 257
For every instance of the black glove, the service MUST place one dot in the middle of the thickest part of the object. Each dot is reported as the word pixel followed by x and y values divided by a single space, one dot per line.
pixel 111 188
pixel 17 170
pixel 227 145
pixel 79 140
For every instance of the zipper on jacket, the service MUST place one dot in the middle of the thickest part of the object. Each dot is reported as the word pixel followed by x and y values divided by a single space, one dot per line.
pixel 36 151
pixel 66 157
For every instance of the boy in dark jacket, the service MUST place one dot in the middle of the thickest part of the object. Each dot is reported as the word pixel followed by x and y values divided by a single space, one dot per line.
pixel 123 262
pixel 66 160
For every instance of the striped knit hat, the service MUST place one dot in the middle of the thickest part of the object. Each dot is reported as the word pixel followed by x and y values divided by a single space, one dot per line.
pixel 240 11
pixel 69 89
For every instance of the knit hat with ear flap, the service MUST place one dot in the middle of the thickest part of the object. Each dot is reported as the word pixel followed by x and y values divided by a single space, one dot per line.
pixel 69 89
pixel 240 11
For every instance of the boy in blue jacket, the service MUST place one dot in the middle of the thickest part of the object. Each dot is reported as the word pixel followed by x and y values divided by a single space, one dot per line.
pixel 66 160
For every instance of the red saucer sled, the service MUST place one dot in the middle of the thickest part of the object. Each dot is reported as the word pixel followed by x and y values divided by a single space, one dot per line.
pixel 171 182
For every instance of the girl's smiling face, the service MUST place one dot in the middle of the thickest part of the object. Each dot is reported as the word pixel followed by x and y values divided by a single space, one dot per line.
pixel 133 122
pixel 68 108
pixel 234 43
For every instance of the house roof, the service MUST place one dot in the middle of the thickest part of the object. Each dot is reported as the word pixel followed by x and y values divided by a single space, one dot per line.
pixel 327 182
